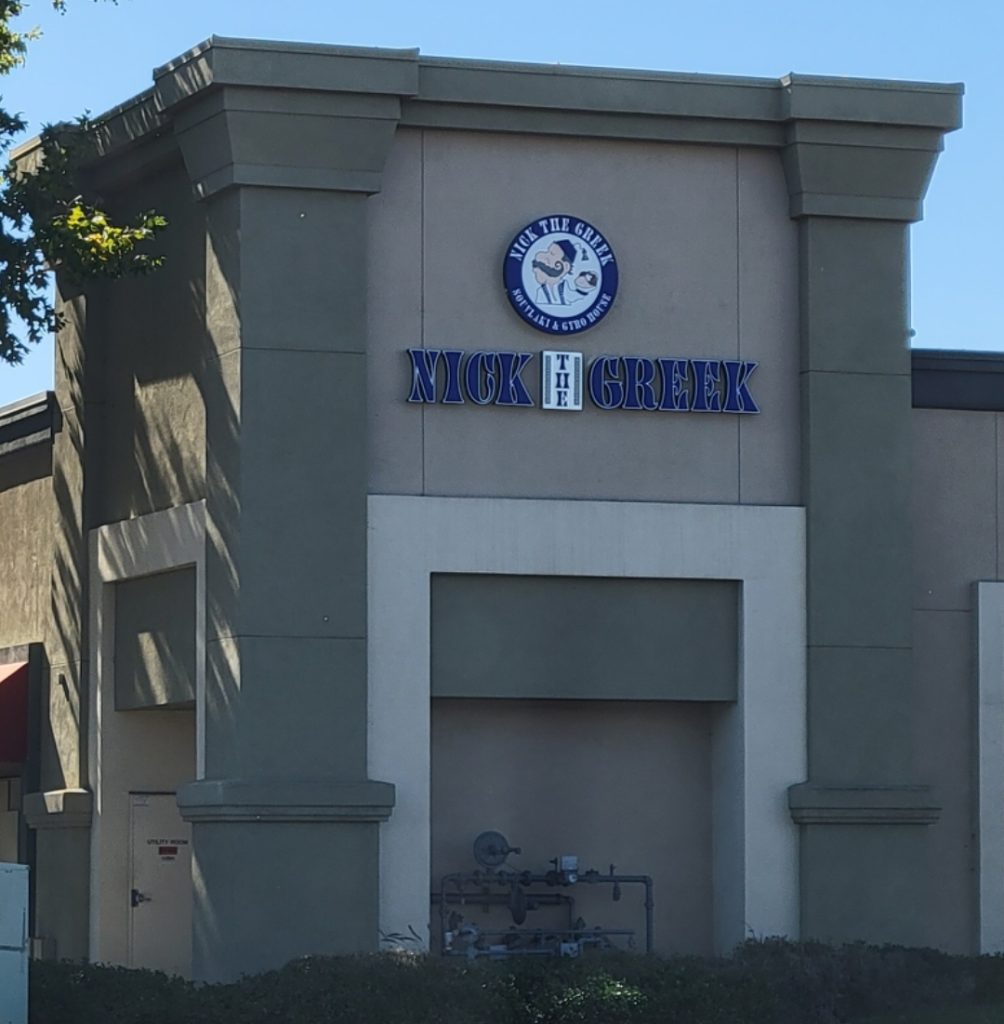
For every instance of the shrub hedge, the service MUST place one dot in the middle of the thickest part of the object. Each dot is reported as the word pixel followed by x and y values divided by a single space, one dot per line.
pixel 764 982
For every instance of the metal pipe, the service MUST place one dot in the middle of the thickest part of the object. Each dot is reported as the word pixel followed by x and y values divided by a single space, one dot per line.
pixel 497 899
pixel 528 878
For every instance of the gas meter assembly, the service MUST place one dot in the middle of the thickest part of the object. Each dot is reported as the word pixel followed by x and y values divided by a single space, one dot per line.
pixel 494 887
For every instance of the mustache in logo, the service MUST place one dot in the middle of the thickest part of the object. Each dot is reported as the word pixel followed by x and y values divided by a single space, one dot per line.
pixel 549 270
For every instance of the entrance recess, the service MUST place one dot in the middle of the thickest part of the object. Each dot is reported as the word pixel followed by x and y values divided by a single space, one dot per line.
pixel 160 885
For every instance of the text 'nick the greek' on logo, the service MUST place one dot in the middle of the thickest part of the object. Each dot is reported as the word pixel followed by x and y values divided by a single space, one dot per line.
pixel 560 274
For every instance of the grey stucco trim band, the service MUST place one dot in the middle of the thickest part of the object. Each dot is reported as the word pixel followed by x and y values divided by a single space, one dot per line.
pixel 958 380
pixel 242 800
pixel 812 804
pixel 28 422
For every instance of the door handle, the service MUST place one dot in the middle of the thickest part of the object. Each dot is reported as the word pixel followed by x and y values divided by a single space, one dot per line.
pixel 137 897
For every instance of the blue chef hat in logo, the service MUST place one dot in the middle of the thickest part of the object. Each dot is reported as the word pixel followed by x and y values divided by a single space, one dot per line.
pixel 568 249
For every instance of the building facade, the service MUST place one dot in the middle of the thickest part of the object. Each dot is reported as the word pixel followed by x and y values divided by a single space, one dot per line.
pixel 503 447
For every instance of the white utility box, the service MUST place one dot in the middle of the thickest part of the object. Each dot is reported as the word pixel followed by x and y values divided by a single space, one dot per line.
pixel 13 944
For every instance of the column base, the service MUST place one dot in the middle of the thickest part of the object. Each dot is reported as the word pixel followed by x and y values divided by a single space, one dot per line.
pixel 61 819
pixel 282 869
pixel 865 871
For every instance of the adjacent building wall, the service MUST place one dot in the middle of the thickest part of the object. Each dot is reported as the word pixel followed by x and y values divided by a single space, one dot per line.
pixel 27 513
pixel 958 485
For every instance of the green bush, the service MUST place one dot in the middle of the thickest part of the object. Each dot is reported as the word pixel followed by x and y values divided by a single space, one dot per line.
pixel 764 982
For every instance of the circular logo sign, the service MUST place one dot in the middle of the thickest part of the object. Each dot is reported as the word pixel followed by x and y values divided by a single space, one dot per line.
pixel 560 274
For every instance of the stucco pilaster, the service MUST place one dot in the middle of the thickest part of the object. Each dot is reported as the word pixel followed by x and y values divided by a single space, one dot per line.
pixel 62 838
pixel 284 155
pixel 858 158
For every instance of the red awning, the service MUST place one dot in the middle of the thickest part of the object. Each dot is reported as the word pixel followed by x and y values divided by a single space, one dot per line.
pixel 14 712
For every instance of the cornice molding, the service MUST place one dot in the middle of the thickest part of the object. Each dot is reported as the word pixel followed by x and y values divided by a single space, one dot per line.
pixel 852 147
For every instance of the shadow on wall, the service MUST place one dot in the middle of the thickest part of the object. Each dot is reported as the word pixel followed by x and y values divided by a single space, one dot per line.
pixel 136 379
pixel 166 350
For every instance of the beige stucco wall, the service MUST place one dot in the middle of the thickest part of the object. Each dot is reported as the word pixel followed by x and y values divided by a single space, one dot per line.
pixel 26 512
pixel 142 751
pixel 708 268
pixel 613 782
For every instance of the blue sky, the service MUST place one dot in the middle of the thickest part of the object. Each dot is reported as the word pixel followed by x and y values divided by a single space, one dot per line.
pixel 98 54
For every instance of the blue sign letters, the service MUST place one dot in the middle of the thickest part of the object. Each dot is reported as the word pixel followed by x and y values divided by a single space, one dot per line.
pixel 452 377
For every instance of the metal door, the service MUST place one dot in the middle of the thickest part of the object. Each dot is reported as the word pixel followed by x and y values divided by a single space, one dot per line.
pixel 160 887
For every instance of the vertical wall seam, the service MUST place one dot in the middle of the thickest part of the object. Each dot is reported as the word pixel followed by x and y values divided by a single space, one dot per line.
pixel 739 320
pixel 421 272
pixel 989 613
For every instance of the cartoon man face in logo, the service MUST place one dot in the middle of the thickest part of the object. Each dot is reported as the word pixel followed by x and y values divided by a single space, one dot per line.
pixel 550 265
pixel 552 270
